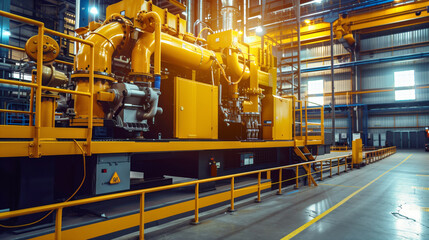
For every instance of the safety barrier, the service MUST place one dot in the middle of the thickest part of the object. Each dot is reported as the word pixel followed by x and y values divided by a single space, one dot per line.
pixel 36 131
pixel 324 165
pixel 379 154
pixel 303 129
pixel 321 167
pixel 340 148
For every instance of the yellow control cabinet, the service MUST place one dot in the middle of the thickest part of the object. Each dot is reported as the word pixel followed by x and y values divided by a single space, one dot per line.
pixel 195 110
pixel 277 118
pixel 357 151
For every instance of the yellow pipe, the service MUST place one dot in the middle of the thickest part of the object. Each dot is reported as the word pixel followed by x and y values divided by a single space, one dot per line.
pixel 146 17
pixel 142 52
pixel 187 54
pixel 105 39
pixel 235 68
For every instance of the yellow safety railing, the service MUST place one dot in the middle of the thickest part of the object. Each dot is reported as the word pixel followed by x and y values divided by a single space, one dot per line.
pixel 301 124
pixel 340 148
pixel 36 85
pixel 321 166
pixel 379 154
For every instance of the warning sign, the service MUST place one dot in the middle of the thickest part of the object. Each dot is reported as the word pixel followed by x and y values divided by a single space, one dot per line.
pixel 115 179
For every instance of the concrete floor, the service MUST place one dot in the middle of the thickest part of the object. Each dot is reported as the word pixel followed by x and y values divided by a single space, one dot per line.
pixel 393 206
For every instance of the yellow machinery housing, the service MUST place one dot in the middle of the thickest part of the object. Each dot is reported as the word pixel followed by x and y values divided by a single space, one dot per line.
pixel 148 97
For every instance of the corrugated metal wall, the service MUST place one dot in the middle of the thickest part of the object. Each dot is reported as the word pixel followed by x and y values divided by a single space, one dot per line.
pixel 374 76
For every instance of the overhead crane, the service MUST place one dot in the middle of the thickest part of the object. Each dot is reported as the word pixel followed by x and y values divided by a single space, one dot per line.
pixel 390 18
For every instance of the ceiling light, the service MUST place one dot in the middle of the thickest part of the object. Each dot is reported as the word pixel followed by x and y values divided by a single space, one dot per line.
pixel 240 32
pixel 318 1
pixel 93 11
pixel 6 33
pixel 258 29
pixel 184 14
pixel 307 21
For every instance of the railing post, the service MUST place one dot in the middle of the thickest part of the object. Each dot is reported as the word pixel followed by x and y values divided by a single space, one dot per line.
pixel 141 226
pixel 258 200
pixel 279 192
pixel 231 208
pixel 197 191
pixel 91 102
pixel 58 223
pixel 345 164
pixel 296 177
pixel 330 168
pixel 36 145
pixel 31 117
pixel 338 165
pixel 321 171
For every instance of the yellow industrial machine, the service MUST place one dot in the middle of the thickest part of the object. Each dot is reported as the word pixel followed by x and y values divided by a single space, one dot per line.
pixel 150 97
pixel 218 73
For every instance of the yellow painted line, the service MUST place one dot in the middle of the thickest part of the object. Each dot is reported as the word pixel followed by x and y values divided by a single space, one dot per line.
pixel 421 188
pixel 422 175
pixel 306 225
pixel 337 185
pixel 425 209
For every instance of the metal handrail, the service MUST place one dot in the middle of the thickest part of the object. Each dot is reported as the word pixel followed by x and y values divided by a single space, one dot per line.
pixel 320 163
pixel 36 84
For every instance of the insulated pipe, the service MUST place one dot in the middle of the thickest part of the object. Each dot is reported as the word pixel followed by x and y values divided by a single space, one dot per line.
pixel 106 39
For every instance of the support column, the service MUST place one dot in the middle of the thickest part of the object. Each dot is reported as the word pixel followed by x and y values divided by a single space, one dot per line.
pixel 332 83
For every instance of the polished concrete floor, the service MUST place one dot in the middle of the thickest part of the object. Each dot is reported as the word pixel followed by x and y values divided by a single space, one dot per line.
pixel 385 200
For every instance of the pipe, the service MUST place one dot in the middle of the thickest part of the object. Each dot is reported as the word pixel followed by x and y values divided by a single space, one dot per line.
pixel 142 52
pixel 148 17
pixel 106 39
pixel 189 56
pixel 235 68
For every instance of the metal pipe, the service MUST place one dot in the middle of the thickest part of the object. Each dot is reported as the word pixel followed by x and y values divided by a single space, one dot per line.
pixel 298 17
pixel 332 83
pixel 106 39
pixel 142 52
pixel 189 18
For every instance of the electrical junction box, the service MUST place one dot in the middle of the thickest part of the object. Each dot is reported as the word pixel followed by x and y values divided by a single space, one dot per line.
pixel 112 173
pixel 246 159
pixel 277 118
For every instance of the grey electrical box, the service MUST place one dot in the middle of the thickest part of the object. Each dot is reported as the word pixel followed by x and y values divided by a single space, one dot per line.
pixel 112 173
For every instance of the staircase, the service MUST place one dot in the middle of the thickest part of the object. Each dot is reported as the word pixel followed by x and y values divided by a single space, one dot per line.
pixel 306 156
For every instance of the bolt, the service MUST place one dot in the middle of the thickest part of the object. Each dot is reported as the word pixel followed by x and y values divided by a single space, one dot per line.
pixel 31 145
pixel 35 42
pixel 55 51
pixel 44 46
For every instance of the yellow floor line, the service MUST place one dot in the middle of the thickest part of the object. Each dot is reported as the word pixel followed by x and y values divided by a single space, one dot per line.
pixel 425 209
pixel 422 175
pixel 421 188
pixel 306 225
pixel 337 185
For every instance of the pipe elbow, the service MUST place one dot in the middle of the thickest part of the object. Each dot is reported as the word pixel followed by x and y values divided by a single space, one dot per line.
pixel 106 40
pixel 142 51
pixel 235 68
